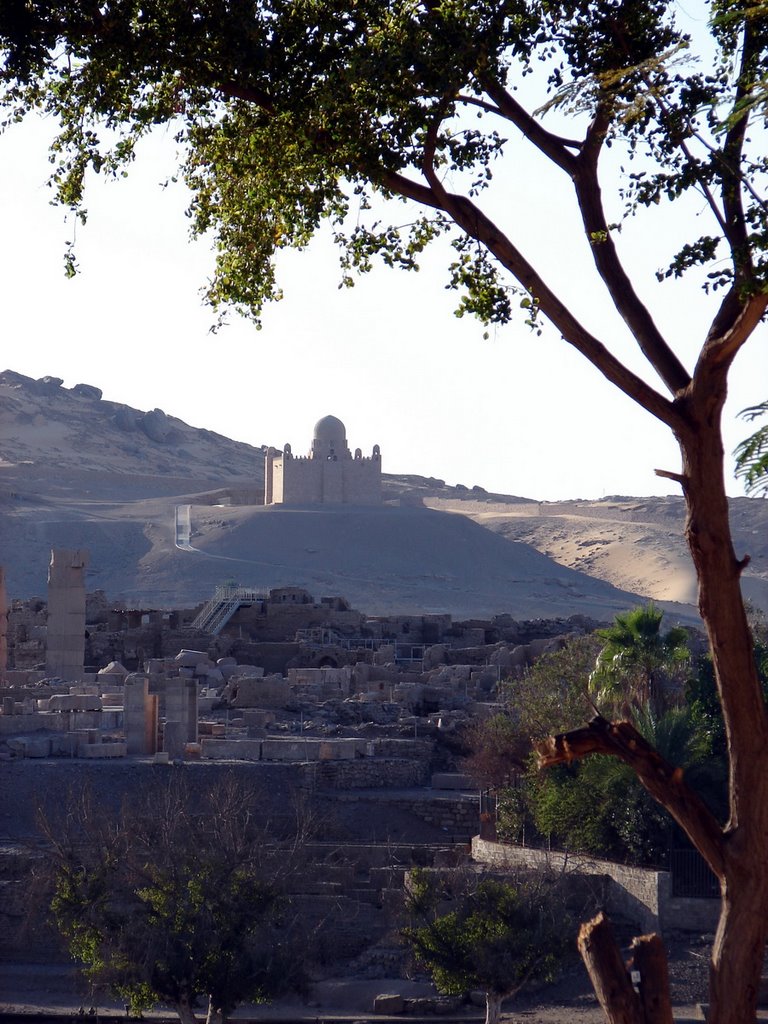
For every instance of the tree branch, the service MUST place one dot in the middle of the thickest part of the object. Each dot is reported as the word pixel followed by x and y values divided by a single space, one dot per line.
pixel 236 91
pixel 733 206
pixel 552 146
pixel 732 326
pixel 626 300
pixel 475 101
pixel 664 782
pixel 477 225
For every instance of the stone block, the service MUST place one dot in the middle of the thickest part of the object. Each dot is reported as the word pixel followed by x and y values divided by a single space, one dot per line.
pixel 231 750
pixel 189 659
pixel 274 749
pixel 87 702
pixel 337 750
pixel 64 745
pixel 61 702
pixel 116 748
pixel 388 1002
pixel 37 746
pixel 258 692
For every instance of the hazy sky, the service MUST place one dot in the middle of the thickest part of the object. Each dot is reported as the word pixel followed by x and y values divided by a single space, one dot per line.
pixel 516 413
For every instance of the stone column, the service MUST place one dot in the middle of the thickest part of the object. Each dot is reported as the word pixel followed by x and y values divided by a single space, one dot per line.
pixel 3 624
pixel 65 651
pixel 139 716
pixel 180 715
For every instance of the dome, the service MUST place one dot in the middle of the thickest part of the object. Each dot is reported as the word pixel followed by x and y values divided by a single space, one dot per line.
pixel 331 430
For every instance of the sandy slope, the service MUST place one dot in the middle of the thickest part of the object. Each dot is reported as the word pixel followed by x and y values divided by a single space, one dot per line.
pixel 636 544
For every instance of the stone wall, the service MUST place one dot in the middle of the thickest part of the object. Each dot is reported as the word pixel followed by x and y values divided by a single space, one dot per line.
pixel 453 813
pixel 639 895
pixel 368 773
pixel 312 481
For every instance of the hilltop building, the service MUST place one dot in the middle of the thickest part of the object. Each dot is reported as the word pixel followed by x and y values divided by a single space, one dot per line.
pixel 328 475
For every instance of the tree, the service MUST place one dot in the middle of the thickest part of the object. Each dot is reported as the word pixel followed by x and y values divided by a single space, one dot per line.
pixel 598 806
pixel 637 660
pixel 499 937
pixel 288 114
pixel 175 897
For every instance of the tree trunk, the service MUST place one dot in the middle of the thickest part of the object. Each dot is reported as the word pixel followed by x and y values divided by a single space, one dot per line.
pixel 608 973
pixel 493 1001
pixel 649 959
pixel 739 949
pixel 183 1007
pixel 737 955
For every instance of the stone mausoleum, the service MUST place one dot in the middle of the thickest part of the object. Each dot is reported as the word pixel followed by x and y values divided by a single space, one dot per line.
pixel 328 475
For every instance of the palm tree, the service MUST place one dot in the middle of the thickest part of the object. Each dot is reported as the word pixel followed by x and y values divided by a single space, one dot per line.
pixel 638 661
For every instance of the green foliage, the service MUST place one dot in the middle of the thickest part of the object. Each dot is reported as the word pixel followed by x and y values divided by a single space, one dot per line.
pixel 498 937
pixel 752 453
pixel 703 704
pixel 598 806
pixel 639 663
pixel 288 114
pixel 553 693
pixel 174 898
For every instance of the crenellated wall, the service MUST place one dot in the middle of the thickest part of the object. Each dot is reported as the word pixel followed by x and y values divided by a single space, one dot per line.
pixel 329 475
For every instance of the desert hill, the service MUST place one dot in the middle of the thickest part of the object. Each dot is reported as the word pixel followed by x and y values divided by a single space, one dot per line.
pixel 168 511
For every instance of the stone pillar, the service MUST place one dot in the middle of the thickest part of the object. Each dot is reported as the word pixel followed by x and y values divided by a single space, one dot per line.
pixel 173 740
pixel 139 717
pixel 65 651
pixel 180 715
pixel 3 624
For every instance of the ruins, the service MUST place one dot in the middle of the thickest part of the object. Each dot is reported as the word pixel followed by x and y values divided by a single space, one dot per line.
pixel 88 678
pixel 328 475
pixel 355 718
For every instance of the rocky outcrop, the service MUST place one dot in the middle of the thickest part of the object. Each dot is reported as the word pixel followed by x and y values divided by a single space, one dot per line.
pixel 87 391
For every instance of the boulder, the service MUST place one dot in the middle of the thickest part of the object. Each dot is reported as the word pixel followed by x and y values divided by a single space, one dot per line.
pixel 156 426
pixel 88 391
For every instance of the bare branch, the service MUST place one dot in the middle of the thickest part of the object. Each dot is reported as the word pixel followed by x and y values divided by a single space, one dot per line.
pixel 626 300
pixel 477 225
pixel 669 475
pixel 731 328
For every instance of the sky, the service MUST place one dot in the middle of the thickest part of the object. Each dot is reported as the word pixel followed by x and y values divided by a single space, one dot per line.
pixel 514 413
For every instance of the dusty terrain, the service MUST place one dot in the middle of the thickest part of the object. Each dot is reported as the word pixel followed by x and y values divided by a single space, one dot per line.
pixel 77 471
pixel 34 988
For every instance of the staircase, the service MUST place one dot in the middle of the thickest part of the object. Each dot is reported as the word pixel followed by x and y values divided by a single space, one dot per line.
pixel 216 613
